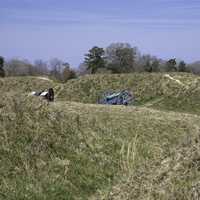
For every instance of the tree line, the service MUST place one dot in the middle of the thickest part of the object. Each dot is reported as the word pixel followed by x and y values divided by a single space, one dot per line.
pixel 54 68
pixel 116 58
pixel 123 58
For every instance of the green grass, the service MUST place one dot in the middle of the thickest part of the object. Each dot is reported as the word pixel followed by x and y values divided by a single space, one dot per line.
pixel 145 87
pixel 24 84
pixel 71 150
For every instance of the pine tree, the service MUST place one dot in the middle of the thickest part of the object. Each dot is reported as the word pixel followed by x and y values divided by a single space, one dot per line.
pixel 171 65
pixel 2 72
pixel 182 67
pixel 94 59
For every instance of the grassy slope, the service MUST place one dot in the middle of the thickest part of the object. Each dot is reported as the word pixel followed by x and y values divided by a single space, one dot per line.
pixel 163 92
pixel 69 150
pixel 24 84
pixel 152 90
pixel 89 88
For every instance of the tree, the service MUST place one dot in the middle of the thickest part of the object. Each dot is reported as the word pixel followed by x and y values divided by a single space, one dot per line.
pixel 171 65
pixel 155 65
pixel 17 67
pixel 94 59
pixel 145 61
pixel 182 67
pixel 40 67
pixel 67 73
pixel 194 67
pixel 2 72
pixel 56 68
pixel 125 59
pixel 112 48
pixel 82 69
pixel 120 57
pixel 60 70
pixel 148 66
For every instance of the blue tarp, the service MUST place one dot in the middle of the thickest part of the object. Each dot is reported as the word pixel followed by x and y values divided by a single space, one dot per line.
pixel 117 98
pixel 113 95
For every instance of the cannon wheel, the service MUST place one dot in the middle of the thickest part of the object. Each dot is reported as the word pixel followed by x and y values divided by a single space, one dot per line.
pixel 50 94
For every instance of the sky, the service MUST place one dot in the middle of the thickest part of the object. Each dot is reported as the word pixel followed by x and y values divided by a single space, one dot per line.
pixel 67 29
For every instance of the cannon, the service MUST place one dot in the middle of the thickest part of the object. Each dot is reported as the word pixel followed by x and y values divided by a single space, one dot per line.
pixel 123 97
pixel 46 94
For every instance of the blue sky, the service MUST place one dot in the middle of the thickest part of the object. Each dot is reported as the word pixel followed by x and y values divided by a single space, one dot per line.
pixel 66 29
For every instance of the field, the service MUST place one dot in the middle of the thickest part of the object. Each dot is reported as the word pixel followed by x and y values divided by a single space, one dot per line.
pixel 74 148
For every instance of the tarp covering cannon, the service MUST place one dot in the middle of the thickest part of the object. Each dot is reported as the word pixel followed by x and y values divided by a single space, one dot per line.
pixel 123 97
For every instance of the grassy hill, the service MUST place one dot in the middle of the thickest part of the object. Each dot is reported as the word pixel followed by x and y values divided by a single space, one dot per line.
pixel 24 84
pixel 175 91
pixel 72 150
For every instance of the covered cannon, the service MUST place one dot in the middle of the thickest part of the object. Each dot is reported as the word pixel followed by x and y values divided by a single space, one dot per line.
pixel 123 97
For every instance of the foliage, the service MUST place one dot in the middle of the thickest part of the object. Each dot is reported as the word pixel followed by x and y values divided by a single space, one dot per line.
pixel 2 72
pixel 171 65
pixel 120 57
pixel 61 71
pixel 17 67
pixel 151 64
pixel 82 70
pixel 182 67
pixel 94 59
pixel 148 67
pixel 194 67
pixel 155 65
pixel 41 68
pixel 55 68
pixel 68 74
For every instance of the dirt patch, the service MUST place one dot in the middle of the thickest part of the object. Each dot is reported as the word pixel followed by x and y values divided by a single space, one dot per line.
pixel 44 78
